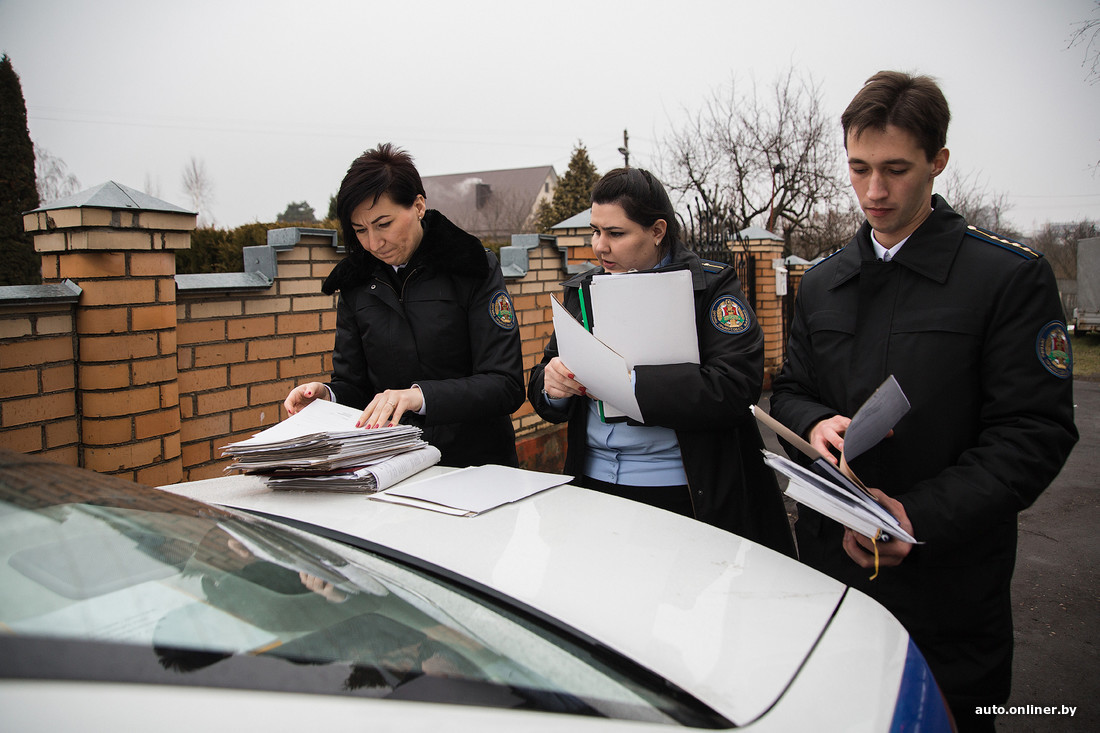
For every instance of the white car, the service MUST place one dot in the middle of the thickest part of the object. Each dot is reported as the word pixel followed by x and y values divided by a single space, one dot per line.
pixel 123 607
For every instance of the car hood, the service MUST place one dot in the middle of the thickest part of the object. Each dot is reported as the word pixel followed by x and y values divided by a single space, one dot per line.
pixel 724 618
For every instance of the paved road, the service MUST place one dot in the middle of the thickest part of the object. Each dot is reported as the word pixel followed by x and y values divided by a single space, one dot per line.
pixel 1056 590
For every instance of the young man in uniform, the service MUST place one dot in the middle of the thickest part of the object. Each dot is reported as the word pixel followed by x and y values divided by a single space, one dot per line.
pixel 971 326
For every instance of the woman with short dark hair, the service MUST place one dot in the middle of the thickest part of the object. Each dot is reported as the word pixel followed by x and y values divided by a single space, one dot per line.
pixel 697 453
pixel 425 329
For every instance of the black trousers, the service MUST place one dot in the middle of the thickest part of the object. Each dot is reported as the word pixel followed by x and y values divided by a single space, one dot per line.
pixel 676 499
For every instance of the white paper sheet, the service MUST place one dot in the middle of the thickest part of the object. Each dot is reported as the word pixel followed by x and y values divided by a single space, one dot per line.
pixel 602 371
pixel 319 416
pixel 648 317
pixel 875 418
pixel 473 490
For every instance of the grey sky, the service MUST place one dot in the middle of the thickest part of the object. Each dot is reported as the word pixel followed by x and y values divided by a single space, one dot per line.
pixel 276 98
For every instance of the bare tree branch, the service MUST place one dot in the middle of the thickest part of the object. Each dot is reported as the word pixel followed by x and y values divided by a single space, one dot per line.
pixel 198 186
pixel 52 176
pixel 1086 33
pixel 151 185
pixel 1058 242
pixel 981 207
pixel 765 156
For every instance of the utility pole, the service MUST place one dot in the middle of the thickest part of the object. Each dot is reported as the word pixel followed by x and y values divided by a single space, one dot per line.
pixel 625 150
pixel 779 168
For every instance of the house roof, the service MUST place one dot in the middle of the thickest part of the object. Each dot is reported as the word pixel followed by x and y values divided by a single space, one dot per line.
pixel 111 195
pixel 758 233
pixel 582 220
pixel 457 195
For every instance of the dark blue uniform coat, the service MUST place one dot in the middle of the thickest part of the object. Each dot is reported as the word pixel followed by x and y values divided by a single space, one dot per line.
pixel 972 327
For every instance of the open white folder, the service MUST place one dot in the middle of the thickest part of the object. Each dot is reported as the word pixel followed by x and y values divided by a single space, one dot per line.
pixel 639 318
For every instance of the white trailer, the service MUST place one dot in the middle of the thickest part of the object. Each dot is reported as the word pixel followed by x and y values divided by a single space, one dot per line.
pixel 1086 316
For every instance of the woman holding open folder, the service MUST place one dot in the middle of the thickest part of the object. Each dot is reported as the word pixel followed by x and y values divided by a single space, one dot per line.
pixel 697 450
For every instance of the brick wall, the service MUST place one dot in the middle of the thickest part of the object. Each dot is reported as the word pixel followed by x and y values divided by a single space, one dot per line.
pixel 123 395
pixel 38 379
pixel 769 307
pixel 531 296
pixel 131 370
pixel 239 354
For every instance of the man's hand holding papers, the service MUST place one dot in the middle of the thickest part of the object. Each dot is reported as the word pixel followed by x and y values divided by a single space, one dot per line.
pixel 868 553
pixel 837 493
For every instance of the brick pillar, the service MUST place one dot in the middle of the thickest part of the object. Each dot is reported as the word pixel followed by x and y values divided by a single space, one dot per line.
pixel 769 306
pixel 534 266
pixel 127 381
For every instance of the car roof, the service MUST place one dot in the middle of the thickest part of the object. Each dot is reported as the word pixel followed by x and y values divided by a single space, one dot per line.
pixel 727 619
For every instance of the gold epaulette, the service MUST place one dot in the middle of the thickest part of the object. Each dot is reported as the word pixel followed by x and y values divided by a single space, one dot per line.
pixel 1011 245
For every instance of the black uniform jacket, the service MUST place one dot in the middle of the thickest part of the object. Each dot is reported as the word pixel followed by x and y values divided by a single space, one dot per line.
pixel 707 404
pixel 959 318
pixel 448 326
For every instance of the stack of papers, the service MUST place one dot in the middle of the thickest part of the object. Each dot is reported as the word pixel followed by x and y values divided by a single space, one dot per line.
pixel 379 474
pixel 319 448
pixel 837 492
pixel 826 490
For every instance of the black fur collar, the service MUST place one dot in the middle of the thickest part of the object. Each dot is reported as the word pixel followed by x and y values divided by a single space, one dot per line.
pixel 445 248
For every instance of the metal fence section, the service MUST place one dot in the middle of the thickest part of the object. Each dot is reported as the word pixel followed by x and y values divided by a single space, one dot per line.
pixel 743 261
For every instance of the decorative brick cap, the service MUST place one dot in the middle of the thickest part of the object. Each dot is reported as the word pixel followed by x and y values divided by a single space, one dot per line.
pixel 111 195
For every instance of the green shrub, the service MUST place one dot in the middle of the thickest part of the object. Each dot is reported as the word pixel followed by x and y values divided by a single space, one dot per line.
pixel 220 250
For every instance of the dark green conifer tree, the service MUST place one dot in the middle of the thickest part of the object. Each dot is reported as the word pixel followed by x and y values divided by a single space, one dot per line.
pixel 297 212
pixel 573 193
pixel 19 263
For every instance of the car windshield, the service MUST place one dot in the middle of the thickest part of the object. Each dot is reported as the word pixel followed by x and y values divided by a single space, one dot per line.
pixel 181 593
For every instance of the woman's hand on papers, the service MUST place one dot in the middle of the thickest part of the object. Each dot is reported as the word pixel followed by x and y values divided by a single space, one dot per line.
pixel 387 407
pixel 303 394
pixel 827 437
pixel 558 381
pixel 890 554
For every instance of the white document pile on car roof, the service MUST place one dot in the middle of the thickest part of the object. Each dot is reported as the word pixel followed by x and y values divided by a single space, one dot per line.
pixel 319 448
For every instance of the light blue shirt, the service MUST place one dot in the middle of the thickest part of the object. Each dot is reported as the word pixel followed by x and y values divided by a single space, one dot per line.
pixel 631 455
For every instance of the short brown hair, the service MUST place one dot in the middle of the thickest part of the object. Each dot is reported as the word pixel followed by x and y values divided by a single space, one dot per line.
pixel 385 169
pixel 913 103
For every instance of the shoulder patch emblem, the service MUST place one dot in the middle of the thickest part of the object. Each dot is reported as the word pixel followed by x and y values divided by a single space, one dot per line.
pixel 1054 351
pixel 1011 245
pixel 501 310
pixel 729 315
